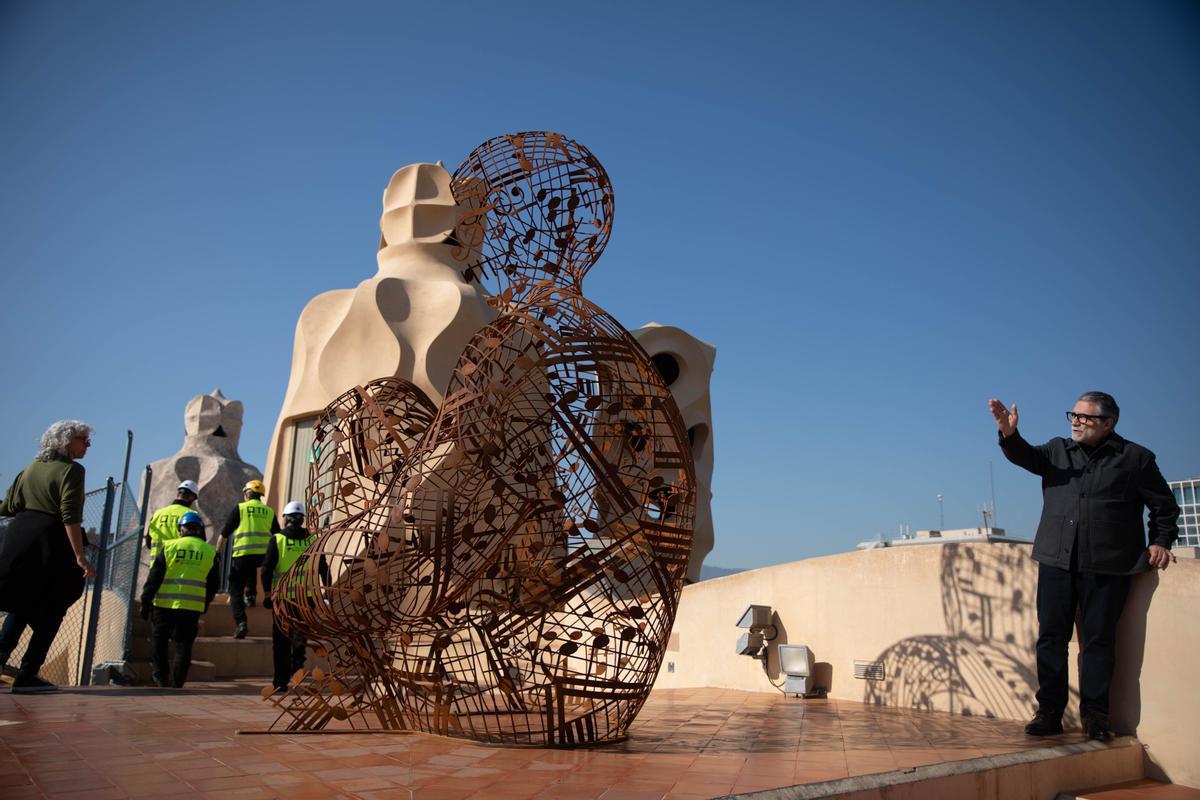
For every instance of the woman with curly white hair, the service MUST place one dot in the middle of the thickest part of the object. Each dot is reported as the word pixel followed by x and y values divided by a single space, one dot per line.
pixel 42 561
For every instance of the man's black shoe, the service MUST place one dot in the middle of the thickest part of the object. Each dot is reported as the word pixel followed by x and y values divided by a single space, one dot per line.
pixel 1044 725
pixel 1096 727
pixel 251 600
pixel 241 632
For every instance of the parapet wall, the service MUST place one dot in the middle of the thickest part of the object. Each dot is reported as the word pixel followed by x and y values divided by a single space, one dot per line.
pixel 954 626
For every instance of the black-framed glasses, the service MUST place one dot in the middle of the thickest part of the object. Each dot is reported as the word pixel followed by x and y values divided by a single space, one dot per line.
pixel 1086 419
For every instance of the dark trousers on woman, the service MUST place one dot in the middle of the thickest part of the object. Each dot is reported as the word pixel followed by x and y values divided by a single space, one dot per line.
pixel 179 626
pixel 1099 599
pixel 288 653
pixel 243 584
pixel 45 626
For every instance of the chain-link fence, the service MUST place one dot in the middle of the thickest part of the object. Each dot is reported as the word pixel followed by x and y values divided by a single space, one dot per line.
pixel 117 574
pixel 96 628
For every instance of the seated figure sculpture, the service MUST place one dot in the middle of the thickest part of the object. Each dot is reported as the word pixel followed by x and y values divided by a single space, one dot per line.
pixel 505 566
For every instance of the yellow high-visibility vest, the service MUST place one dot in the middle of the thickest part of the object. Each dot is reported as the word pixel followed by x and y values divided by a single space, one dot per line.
pixel 255 519
pixel 189 560
pixel 289 551
pixel 164 526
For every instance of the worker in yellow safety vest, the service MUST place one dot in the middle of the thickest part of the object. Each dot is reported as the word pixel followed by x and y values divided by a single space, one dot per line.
pixel 248 529
pixel 283 552
pixel 164 524
pixel 181 584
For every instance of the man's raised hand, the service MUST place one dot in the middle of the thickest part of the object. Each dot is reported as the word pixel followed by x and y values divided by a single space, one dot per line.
pixel 1006 419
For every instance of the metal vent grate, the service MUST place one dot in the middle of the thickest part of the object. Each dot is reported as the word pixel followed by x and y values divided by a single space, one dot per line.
pixel 868 670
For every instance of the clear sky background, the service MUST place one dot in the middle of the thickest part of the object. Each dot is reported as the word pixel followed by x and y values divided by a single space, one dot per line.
pixel 882 214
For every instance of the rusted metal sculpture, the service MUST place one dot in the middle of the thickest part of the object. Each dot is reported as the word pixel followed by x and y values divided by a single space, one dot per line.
pixel 505 567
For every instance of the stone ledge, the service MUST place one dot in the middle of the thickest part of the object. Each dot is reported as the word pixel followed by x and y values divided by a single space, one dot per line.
pixel 893 783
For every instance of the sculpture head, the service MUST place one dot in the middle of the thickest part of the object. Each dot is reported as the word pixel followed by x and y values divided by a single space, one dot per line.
pixel 418 206
pixel 538 208
pixel 213 420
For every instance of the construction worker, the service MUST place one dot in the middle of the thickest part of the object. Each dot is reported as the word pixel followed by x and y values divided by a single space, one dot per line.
pixel 181 584
pixel 250 526
pixel 283 551
pixel 164 524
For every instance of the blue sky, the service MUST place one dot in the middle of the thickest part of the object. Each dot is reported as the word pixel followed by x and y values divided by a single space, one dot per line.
pixel 882 214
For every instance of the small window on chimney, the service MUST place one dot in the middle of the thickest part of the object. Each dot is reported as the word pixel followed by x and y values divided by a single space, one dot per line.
pixel 219 431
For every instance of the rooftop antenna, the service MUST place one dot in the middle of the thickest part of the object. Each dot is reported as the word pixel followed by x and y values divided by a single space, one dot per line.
pixel 986 511
pixel 992 482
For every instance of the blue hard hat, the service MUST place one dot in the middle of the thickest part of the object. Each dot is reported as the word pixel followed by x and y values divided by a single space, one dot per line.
pixel 190 518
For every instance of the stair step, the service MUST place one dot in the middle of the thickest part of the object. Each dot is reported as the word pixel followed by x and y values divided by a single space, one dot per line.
pixel 202 671
pixel 236 658
pixel 224 651
pixel 143 674
pixel 217 621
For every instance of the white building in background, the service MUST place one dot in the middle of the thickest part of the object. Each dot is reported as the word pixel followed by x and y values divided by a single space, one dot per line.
pixel 988 534
pixel 1187 494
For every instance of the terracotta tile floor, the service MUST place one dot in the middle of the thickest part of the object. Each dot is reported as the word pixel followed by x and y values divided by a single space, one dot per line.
pixel 120 743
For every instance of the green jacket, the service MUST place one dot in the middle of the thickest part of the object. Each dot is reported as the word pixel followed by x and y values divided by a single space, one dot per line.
pixel 53 487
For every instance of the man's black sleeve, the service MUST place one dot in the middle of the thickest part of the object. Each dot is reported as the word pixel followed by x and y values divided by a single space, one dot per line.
pixel 1164 510
pixel 158 571
pixel 1025 455
pixel 231 523
pixel 214 584
pixel 268 565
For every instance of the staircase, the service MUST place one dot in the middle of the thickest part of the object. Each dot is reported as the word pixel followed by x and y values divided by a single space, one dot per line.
pixel 216 655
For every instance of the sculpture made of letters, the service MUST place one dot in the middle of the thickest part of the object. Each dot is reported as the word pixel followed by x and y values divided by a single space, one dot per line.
pixel 506 566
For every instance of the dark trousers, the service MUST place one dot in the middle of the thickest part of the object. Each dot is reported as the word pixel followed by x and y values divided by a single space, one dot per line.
pixel 45 628
pixel 179 626
pixel 288 652
pixel 243 583
pixel 1099 599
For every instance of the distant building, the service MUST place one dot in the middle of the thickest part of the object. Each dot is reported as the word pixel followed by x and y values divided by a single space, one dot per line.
pixel 1187 494
pixel 958 533
pixel 934 537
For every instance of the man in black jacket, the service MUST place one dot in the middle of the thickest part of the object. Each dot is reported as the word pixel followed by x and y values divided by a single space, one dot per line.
pixel 284 549
pixel 1089 543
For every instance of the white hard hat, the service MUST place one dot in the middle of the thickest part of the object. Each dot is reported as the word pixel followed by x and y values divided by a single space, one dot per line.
pixel 294 507
pixel 189 486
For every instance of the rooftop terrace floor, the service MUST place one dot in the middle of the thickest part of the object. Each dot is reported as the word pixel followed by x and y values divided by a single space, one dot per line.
pixel 115 742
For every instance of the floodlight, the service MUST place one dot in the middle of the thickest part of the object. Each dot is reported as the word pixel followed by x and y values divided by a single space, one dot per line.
pixel 758 619
pixel 749 644
pixel 755 617
pixel 795 660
